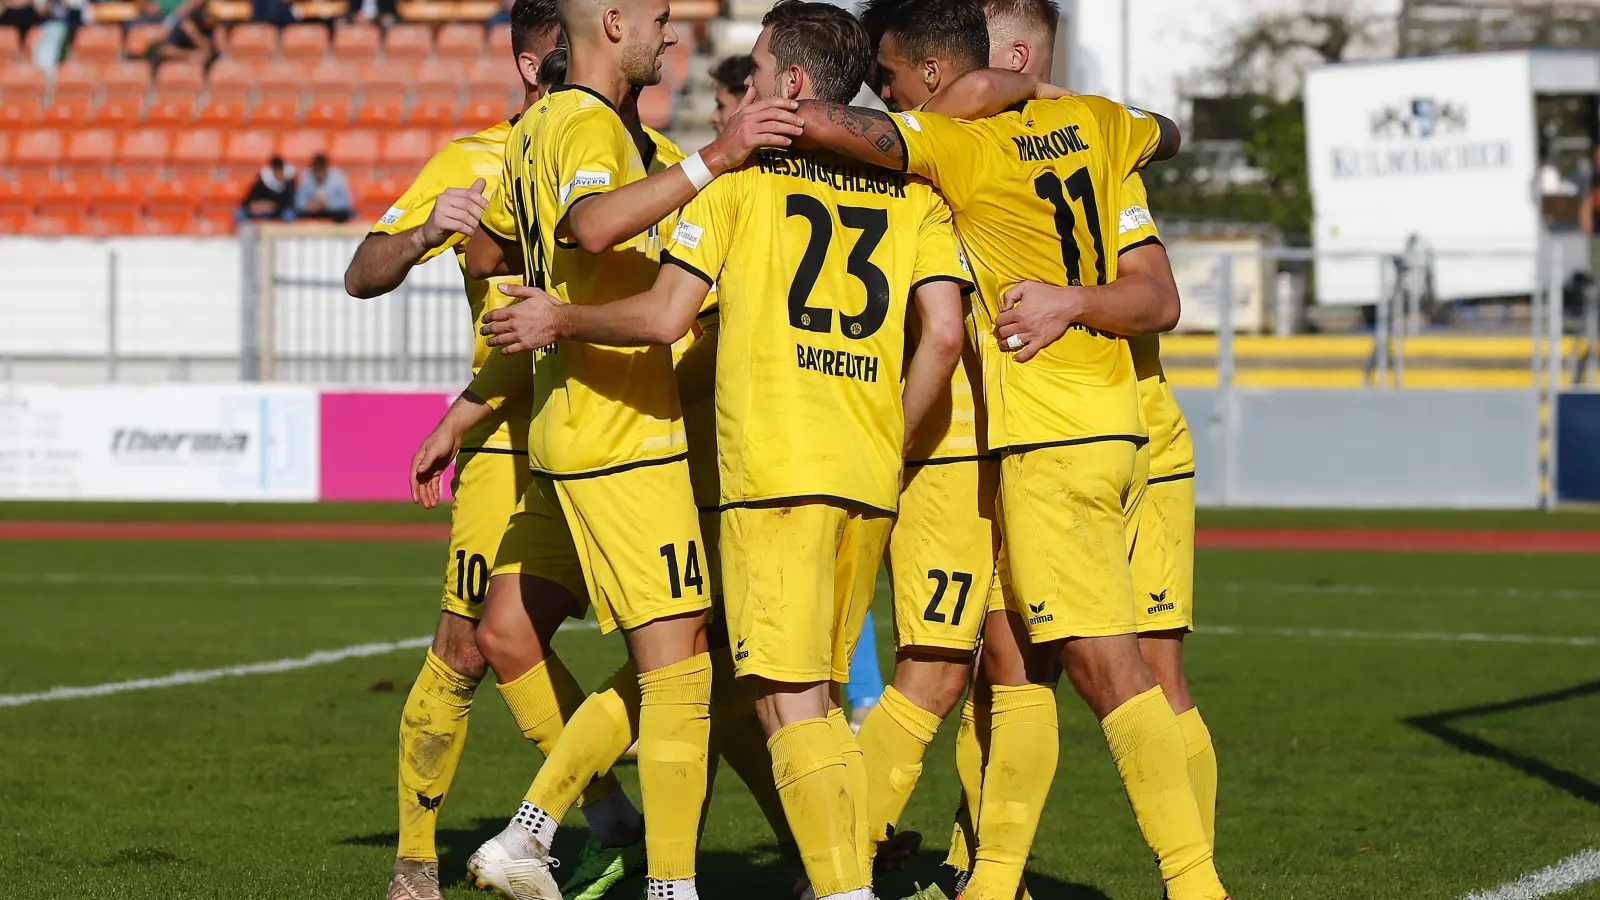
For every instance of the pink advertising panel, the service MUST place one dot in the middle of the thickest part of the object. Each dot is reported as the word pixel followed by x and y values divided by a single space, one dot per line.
pixel 368 440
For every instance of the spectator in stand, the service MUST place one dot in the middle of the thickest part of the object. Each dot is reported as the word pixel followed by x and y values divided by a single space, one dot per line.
pixel 324 193
pixel 21 14
pixel 272 194
pixel 190 36
pixel 379 12
pixel 502 16
pixel 730 76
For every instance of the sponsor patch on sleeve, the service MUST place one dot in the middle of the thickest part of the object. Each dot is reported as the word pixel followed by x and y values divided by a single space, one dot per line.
pixel 1134 218
pixel 584 179
pixel 392 216
pixel 910 121
pixel 688 234
pixel 1136 113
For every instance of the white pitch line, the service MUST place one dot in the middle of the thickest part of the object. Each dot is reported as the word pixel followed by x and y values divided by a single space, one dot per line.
pixel 216 580
pixel 1470 637
pixel 1574 871
pixel 1372 590
pixel 271 667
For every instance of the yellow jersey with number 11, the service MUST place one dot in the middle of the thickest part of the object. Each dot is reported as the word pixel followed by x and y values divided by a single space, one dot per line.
pixel 1036 195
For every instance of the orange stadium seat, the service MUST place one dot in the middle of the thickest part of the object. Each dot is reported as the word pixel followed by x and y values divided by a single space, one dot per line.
pixel 171 204
pixel 127 81
pixel 252 41
pixel 174 113
pixel 355 151
pixel 230 81
pixel 10 44
pixel 334 78
pixel 195 153
pixel 281 81
pixel 35 153
pixel 304 42
pixel 500 42
pixel 655 108
pixel 404 152
pixel 68 111
pixel 439 81
pixel 222 112
pixel 63 208
pixel 459 41
pixel 117 208
pixel 380 112
pixel 675 65
pixel 75 80
pixel 22 79
pixel 97 44
pixel 89 154
pixel 246 151
pixel 16 206
pixel 5 148
pixel 275 114
pixel 328 112
pixel 117 113
pixel 483 111
pixel 408 43
pixel 141 37
pixel 297 147
pixel 180 76
pixel 432 114
pixel 489 74
pixel 222 194
pixel 356 41
pixel 142 153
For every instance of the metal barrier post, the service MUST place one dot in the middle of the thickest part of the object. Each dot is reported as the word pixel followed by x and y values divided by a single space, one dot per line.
pixel 249 304
pixel 1553 383
pixel 402 334
pixel 111 317
pixel 1382 324
pixel 1589 361
pixel 1225 375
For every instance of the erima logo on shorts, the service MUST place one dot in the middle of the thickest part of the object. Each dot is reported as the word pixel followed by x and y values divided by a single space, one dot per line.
pixel 392 216
pixel 688 235
pixel 910 120
pixel 1134 218
pixel 741 653
pixel 1160 604
pixel 584 179
pixel 1039 617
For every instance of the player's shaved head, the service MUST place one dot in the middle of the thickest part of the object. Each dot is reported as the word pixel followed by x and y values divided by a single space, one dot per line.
pixel 627 37
pixel 1030 22
pixel 825 41
pixel 951 31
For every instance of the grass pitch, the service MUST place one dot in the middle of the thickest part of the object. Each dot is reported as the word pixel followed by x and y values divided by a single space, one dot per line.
pixel 1399 763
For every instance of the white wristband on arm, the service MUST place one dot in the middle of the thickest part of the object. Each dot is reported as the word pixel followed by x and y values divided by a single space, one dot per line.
pixel 699 174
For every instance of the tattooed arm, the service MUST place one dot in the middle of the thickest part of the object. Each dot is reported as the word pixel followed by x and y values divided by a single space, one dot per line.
pixel 854 131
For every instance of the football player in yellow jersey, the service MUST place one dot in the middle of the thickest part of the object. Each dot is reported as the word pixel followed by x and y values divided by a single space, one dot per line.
pixel 812 419
pixel 436 214
pixel 1035 193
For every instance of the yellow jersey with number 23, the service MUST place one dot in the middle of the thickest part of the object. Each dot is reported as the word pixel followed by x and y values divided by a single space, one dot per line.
pixel 1036 195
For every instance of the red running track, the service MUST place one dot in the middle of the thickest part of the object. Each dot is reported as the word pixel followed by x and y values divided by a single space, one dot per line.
pixel 1363 540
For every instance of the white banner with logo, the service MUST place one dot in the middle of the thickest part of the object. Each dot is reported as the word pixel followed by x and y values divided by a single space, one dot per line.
pixel 1443 148
pixel 150 442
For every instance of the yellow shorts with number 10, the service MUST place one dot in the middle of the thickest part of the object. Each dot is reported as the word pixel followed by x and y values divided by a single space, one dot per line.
pixel 488 486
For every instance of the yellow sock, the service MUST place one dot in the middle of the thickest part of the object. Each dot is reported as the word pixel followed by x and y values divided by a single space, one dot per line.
pixel 811 779
pixel 674 733
pixel 737 737
pixel 972 751
pixel 1023 745
pixel 433 729
pixel 855 770
pixel 1147 743
pixel 578 767
pixel 893 739
pixel 1202 770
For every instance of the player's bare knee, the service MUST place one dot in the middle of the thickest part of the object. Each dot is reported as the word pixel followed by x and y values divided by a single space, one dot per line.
pixel 456 644
pixel 932 679
pixel 784 703
pixel 1162 652
pixel 1106 671
pixel 668 641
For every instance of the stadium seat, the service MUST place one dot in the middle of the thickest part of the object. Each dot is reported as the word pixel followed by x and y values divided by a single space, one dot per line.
pixel 142 153
pixel 355 151
pixel 10 44
pixel 141 37
pixel 116 113
pixel 252 41
pixel 171 204
pixel 404 152
pixel 356 41
pixel 475 11
pixel 460 41
pixel 174 113
pixel 127 81
pixel 5 147
pixel 488 74
pixel 116 12
pixel 89 153
pixel 229 81
pixel 196 153
pixel 483 110
pixel 328 112
pixel 22 80
pixel 67 111
pixel 374 196
pixel 439 81
pixel 275 114
pixel 16 206
pixel 655 108
pixel 75 80
pixel 63 208
pixel 297 147
pixel 675 65
pixel 303 42
pixel 222 112
pixel 117 209
pixel 432 114
pixel 246 151
pixel 377 87
pixel 334 78
pixel 280 81
pixel 97 44
pixel 500 43
pixel 35 153
pixel 380 112
pixel 185 76
pixel 408 43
